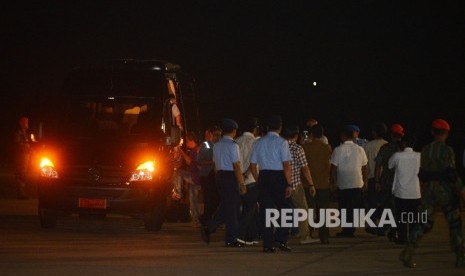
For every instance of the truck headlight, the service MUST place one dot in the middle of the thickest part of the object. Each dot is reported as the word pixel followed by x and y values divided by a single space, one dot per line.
pixel 143 172
pixel 47 168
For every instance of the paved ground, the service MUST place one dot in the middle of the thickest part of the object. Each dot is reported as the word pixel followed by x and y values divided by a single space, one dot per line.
pixel 77 247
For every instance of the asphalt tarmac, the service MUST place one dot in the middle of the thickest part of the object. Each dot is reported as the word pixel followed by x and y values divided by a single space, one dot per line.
pixel 121 246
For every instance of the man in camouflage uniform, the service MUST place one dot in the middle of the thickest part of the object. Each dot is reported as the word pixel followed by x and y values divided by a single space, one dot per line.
pixel 385 176
pixel 441 188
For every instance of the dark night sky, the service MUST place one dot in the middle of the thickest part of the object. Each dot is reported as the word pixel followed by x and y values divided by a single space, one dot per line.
pixel 395 61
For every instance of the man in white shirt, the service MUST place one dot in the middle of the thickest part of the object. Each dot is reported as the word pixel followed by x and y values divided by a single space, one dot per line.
pixel 378 132
pixel 406 185
pixel 349 172
pixel 248 231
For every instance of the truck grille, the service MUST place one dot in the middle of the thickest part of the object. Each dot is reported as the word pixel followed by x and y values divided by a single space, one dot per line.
pixel 101 176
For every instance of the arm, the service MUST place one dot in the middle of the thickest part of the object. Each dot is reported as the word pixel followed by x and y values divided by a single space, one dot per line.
pixel 308 177
pixel 365 177
pixel 333 174
pixel 253 169
pixel 287 174
pixel 378 170
pixel 239 177
pixel 178 122
pixel 184 155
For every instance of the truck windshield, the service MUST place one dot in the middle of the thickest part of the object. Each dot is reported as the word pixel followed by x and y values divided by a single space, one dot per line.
pixel 110 116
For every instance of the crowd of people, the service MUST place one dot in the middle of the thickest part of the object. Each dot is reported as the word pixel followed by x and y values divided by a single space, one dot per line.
pixel 239 177
pixel 244 175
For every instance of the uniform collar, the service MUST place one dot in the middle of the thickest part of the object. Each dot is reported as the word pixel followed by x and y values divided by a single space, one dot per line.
pixel 246 133
pixel 348 142
pixel 227 137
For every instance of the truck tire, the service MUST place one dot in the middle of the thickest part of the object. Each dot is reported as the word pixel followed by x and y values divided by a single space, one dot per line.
pixel 47 218
pixel 153 220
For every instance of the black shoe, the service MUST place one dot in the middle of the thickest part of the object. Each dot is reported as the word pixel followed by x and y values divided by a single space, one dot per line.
pixel 234 244
pixel 345 235
pixel 401 242
pixel 326 241
pixel 269 250
pixel 391 235
pixel 205 233
pixel 372 231
pixel 283 246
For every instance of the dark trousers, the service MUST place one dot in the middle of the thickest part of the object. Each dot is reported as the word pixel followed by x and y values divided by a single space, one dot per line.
pixel 228 209
pixel 350 199
pixel 320 201
pixel 403 208
pixel 211 197
pixel 372 199
pixel 248 220
pixel 271 195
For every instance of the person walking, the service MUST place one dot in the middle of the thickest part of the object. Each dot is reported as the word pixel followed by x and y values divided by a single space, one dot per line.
pixel 191 175
pixel 406 186
pixel 248 228
pixel 318 155
pixel 372 147
pixel 230 182
pixel 384 178
pixel 299 166
pixel 270 165
pixel 349 172
pixel 211 197
pixel 442 188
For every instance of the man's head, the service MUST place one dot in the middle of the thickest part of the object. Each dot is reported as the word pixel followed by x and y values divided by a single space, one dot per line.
pixel 347 133
pixel 251 125
pixel 311 123
pixel 213 134
pixel 355 129
pixel 291 132
pixel 317 131
pixel 408 141
pixel 275 123
pixel 229 127
pixel 378 130
pixel 397 132
pixel 191 140
pixel 440 129
pixel 23 122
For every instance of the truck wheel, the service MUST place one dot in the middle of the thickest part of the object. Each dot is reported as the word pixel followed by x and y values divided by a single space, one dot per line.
pixel 48 218
pixel 154 220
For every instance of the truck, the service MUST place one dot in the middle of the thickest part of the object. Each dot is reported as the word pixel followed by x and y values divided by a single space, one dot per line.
pixel 106 142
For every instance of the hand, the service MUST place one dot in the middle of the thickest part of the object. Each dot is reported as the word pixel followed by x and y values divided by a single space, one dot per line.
pixel 242 189
pixel 312 191
pixel 288 192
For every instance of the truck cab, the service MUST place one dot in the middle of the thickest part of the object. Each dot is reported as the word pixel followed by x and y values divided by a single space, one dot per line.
pixel 106 144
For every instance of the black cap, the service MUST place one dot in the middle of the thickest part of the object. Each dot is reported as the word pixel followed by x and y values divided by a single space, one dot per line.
pixel 229 125
pixel 275 122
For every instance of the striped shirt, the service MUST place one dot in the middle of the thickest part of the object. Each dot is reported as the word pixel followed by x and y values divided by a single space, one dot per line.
pixel 297 163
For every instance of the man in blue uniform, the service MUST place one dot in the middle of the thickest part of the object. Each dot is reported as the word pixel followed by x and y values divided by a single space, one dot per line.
pixel 230 183
pixel 272 156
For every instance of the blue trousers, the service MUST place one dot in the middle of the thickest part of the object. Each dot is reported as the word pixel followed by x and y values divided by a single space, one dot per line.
pixel 271 195
pixel 229 207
